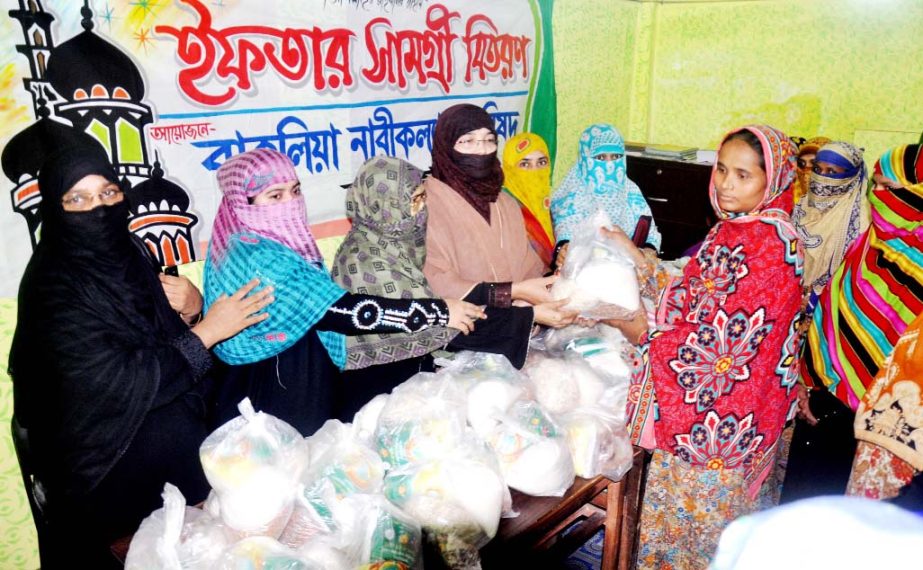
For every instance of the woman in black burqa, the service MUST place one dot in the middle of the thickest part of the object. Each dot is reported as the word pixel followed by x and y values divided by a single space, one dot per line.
pixel 106 376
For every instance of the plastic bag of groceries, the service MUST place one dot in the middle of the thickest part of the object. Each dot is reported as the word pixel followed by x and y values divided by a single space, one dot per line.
pixel 563 383
pixel 598 277
pixel 365 422
pixel 491 384
pixel 340 466
pixel 423 418
pixel 377 534
pixel 263 553
pixel 457 499
pixel 253 464
pixel 532 451
pixel 603 347
pixel 608 354
pixel 177 537
pixel 598 442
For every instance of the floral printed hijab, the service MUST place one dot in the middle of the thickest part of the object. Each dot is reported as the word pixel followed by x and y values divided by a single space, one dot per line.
pixel 722 361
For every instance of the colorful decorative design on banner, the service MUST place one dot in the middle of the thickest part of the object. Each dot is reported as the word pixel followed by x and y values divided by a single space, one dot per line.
pixel 172 89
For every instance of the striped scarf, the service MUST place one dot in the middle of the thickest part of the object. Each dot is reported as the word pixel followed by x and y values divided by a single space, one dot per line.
pixel 877 291
pixel 303 292
pixel 274 244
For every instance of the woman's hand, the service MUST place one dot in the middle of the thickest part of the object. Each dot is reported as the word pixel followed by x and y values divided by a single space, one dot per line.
pixel 552 314
pixel 533 291
pixel 229 315
pixel 182 295
pixel 618 236
pixel 804 410
pixel 561 258
pixel 632 328
pixel 462 315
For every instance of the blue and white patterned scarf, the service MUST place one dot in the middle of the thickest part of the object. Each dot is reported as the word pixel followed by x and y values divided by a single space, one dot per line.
pixel 593 185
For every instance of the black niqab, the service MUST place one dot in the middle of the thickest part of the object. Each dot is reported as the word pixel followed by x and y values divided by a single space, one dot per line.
pixel 92 345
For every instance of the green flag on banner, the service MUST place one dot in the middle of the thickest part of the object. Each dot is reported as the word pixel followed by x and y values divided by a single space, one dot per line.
pixel 542 105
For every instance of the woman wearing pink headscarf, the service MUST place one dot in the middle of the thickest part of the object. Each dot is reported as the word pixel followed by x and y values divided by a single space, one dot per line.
pixel 288 364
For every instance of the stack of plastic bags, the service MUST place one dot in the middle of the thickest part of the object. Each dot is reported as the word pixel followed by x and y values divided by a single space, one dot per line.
pixel 529 446
pixel 598 276
pixel 270 509
pixel 582 376
pixel 433 460
pixel 437 470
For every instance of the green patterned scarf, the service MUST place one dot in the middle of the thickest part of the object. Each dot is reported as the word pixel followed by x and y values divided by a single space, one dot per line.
pixel 383 255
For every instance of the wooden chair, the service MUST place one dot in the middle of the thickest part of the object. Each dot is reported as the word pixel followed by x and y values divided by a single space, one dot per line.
pixel 548 529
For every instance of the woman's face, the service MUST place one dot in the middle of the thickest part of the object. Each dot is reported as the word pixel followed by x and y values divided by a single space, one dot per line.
pixel 882 182
pixel 479 141
pixel 417 200
pixel 535 160
pixel 608 156
pixel 278 193
pixel 740 181
pixel 806 161
pixel 89 192
pixel 827 169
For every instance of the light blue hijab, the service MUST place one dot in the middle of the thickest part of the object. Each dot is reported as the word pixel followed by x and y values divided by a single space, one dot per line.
pixel 593 184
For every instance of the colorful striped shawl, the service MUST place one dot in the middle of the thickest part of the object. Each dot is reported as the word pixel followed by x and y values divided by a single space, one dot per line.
pixel 303 292
pixel 877 291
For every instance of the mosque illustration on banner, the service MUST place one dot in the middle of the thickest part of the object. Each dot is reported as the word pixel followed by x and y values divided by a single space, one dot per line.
pixel 87 91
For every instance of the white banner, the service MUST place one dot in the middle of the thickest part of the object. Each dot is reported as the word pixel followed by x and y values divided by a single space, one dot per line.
pixel 173 91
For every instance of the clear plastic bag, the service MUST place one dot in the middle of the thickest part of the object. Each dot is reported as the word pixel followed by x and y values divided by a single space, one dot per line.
pixel 491 384
pixel 365 422
pixel 263 553
pixel 598 277
pixel 469 367
pixel 341 466
pixel 253 463
pixel 598 443
pixel 531 451
pixel 177 537
pixel 601 346
pixel 377 533
pixel 564 383
pixel 458 499
pixel 423 419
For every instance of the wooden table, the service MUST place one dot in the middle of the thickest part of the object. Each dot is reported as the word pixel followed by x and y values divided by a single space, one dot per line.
pixel 535 538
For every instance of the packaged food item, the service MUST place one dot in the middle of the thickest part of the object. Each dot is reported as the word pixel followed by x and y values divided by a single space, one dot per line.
pixel 423 419
pixel 341 466
pixel 598 276
pixel 598 443
pixel 531 451
pixel 253 464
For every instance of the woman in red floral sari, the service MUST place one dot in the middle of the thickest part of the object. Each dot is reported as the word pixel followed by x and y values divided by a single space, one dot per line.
pixel 721 360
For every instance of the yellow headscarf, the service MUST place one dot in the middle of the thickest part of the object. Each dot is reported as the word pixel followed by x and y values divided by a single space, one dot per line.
pixel 531 187
pixel 803 182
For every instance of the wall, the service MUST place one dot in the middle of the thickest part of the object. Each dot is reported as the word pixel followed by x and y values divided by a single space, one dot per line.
pixel 594 68
pixel 847 69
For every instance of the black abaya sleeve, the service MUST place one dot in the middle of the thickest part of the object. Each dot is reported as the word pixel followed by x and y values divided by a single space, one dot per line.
pixel 504 331
pixel 355 314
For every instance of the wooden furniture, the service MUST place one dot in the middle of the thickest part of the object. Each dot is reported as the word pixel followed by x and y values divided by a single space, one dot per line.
pixel 677 192
pixel 548 529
